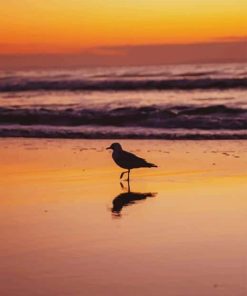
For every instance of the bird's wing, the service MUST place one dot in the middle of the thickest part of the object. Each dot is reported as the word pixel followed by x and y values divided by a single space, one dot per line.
pixel 132 160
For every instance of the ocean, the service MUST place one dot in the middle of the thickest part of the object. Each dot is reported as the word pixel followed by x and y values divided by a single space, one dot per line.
pixel 154 102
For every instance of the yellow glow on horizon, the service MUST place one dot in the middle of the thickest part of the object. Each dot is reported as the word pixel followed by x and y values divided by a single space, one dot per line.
pixel 68 26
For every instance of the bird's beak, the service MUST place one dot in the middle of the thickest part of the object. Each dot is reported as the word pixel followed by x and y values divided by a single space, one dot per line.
pixel 108 148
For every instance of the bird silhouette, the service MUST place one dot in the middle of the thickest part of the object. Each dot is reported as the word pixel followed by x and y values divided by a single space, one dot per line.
pixel 128 198
pixel 127 160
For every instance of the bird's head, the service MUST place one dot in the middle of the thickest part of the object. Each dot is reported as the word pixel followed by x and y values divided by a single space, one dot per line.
pixel 115 147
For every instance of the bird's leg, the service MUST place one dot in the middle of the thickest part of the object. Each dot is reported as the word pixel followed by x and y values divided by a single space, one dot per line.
pixel 122 174
pixel 128 176
pixel 123 187
pixel 121 184
pixel 129 187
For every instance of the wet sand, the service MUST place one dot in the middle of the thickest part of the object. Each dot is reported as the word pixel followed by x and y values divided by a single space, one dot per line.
pixel 180 230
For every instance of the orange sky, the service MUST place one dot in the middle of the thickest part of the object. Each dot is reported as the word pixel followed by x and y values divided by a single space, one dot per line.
pixel 65 26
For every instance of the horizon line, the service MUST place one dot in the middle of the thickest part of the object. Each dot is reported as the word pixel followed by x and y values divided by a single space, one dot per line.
pixel 90 49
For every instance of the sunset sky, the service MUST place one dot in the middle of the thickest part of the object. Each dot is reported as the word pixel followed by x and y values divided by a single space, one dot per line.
pixel 70 25
pixel 73 26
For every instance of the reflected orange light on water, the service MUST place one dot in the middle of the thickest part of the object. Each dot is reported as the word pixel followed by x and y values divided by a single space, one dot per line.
pixel 58 230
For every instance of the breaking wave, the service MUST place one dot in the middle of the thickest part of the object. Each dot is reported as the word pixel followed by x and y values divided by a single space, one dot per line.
pixel 212 117
pixel 163 102
pixel 22 84
pixel 95 132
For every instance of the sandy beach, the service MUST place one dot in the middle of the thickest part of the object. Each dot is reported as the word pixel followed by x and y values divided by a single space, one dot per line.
pixel 59 235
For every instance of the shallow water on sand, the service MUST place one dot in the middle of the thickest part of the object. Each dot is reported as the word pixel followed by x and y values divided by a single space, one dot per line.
pixel 69 228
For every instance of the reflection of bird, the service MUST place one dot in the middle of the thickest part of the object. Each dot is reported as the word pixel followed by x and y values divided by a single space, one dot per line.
pixel 128 198
pixel 127 160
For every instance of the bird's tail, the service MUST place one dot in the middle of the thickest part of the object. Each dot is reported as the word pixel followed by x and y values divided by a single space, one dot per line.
pixel 151 165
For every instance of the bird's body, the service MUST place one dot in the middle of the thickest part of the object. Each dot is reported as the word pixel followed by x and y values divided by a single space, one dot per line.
pixel 127 160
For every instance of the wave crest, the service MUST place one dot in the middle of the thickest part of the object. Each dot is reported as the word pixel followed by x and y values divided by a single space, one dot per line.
pixel 13 85
pixel 212 117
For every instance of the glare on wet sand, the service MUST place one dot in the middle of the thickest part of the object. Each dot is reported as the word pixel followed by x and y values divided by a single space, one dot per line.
pixel 61 237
